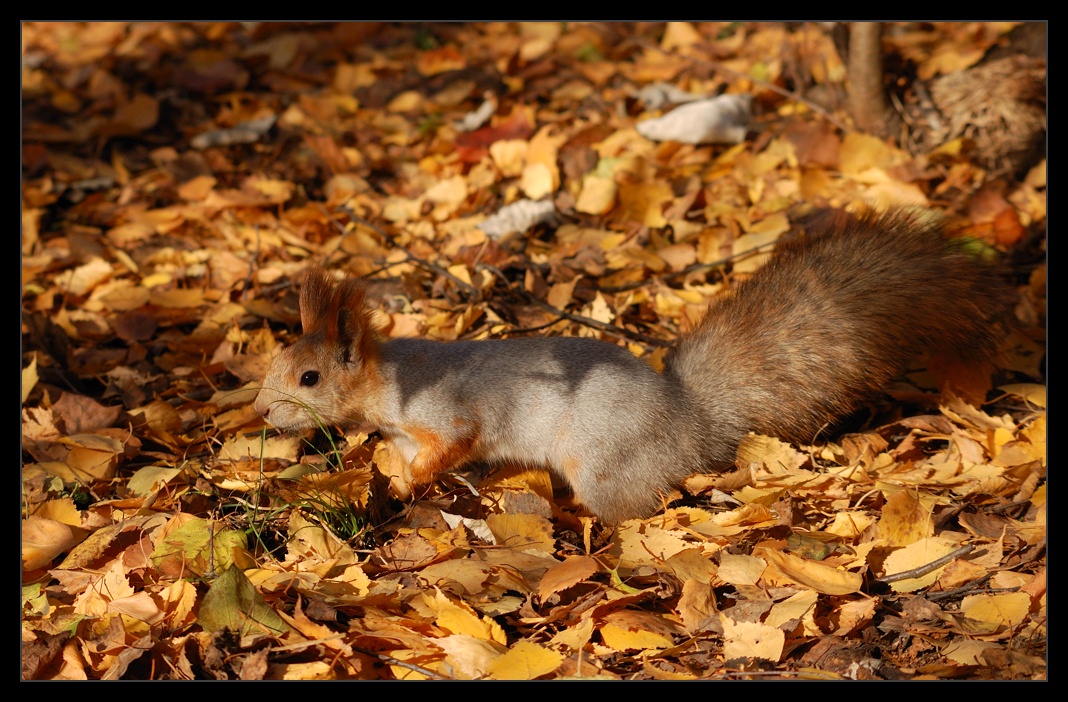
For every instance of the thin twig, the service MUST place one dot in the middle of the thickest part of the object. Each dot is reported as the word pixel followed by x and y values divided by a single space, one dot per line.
pixel 928 567
pixel 957 592
pixel 1007 507
pixel 403 664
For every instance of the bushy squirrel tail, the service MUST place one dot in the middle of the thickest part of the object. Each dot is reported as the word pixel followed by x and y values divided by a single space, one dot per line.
pixel 838 311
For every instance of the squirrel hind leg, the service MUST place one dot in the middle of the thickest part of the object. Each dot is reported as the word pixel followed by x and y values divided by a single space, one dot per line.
pixel 602 491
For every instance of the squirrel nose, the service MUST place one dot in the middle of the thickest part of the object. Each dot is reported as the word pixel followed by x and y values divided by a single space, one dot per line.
pixel 261 407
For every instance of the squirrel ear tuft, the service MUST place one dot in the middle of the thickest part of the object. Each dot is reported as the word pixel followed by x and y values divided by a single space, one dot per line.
pixel 353 319
pixel 317 297
pixel 336 308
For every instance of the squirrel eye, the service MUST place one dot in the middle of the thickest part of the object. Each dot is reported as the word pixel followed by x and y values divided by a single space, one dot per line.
pixel 309 378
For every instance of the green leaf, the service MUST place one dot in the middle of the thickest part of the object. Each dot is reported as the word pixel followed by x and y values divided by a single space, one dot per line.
pixel 233 603
pixel 198 548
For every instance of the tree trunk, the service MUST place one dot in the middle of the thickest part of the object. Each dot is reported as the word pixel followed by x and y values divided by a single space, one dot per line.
pixel 867 100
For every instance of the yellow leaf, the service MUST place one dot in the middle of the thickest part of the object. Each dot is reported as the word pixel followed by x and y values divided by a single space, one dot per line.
pixel 460 618
pixel 406 101
pixel 314 670
pixel 524 532
pixel 61 510
pixel 644 202
pixel 311 543
pixel 197 547
pixel 470 657
pixel 536 181
pixel 196 188
pixel 906 516
pixel 824 579
pixel 965 652
pixel 623 639
pixel 794 607
pixel 149 478
pixel 854 615
pixel 91 455
pixel 850 524
pixel 860 152
pixel 559 294
pixel 44 539
pixel 113 584
pixel 697 603
pixel 139 605
pixel 679 35
pixel 509 155
pixel 525 661
pixel 644 544
pixel 85 278
pixel 240 447
pixel 1008 609
pixel 751 640
pixel 576 636
pixel 777 456
pixel 177 298
pixel 1029 392
pixel 276 190
pixel 598 195
pixel 29 377
pixel 740 569
pixel 893 193
pixel 179 598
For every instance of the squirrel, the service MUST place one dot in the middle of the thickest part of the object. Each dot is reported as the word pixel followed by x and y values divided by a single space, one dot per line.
pixel 837 312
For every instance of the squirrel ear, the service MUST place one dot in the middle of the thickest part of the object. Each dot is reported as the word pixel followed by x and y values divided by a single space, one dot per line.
pixel 337 310
pixel 353 320
pixel 316 295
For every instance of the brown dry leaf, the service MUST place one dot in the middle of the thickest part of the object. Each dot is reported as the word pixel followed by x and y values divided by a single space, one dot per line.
pixel 310 542
pixel 177 298
pixel 81 414
pixel 644 202
pixel 139 114
pixel 569 572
